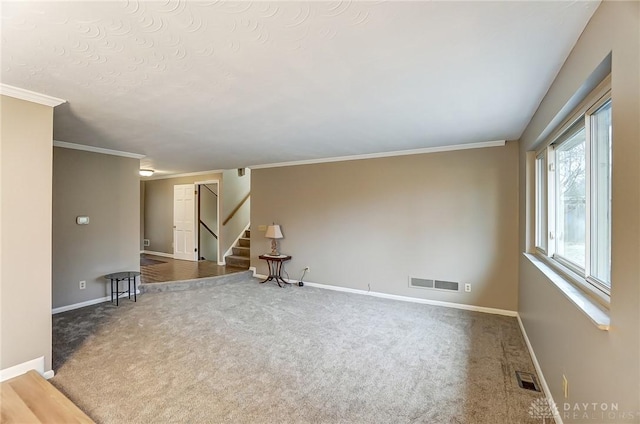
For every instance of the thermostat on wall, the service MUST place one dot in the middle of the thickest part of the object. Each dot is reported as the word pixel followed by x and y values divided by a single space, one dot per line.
pixel 82 220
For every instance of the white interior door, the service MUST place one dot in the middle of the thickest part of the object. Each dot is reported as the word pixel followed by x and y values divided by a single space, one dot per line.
pixel 184 246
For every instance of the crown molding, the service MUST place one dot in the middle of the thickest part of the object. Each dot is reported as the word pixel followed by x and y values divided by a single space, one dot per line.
pixel 188 174
pixel 467 146
pixel 93 149
pixel 30 96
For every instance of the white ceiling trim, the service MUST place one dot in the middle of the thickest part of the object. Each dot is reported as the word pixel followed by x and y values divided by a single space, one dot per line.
pixel 30 96
pixel 188 174
pixel 93 149
pixel 496 143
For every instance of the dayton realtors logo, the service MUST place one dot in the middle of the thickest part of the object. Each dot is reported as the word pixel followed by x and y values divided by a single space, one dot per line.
pixel 603 412
pixel 598 412
pixel 541 409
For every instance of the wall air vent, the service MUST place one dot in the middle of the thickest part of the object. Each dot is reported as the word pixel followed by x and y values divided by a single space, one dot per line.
pixel 446 285
pixel 423 283
pixel 527 381
pixel 420 282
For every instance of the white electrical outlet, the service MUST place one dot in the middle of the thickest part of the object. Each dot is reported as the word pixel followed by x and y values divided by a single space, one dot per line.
pixel 565 386
pixel 83 285
pixel 467 287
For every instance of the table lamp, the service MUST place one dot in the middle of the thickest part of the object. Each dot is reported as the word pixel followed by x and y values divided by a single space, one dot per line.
pixel 274 233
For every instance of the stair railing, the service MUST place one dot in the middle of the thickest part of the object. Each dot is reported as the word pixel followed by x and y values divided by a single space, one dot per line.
pixel 208 229
pixel 236 209
pixel 207 187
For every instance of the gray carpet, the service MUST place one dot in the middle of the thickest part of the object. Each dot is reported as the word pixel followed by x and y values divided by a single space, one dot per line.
pixel 256 353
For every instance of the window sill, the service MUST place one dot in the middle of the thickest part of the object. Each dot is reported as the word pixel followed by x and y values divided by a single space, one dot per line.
pixel 596 313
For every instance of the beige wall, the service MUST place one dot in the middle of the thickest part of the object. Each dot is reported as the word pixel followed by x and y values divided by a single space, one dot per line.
pixel 158 209
pixel 25 231
pixel 234 189
pixel 107 189
pixel 373 223
pixel 600 366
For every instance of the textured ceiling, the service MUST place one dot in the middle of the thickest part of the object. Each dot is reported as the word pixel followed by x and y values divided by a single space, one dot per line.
pixel 205 85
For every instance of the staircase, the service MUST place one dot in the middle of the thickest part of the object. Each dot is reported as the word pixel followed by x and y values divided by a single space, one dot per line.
pixel 240 252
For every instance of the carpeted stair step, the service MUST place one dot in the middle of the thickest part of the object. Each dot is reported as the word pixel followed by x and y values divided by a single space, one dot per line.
pixel 244 242
pixel 195 283
pixel 241 251
pixel 238 261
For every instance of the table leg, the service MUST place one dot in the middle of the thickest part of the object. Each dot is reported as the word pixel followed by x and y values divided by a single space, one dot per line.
pixel 129 287
pixel 117 292
pixel 278 273
pixel 275 272
pixel 111 289
pixel 270 265
pixel 135 299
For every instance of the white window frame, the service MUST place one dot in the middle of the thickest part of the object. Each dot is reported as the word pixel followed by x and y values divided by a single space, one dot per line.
pixel 541 229
pixel 581 117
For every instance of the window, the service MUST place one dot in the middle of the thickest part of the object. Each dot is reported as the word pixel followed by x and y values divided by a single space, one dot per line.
pixel 573 196
pixel 541 202
pixel 601 194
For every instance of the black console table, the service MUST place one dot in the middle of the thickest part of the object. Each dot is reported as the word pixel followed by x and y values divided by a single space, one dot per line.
pixel 116 277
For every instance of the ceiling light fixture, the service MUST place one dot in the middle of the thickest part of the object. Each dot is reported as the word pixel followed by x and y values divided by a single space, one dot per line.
pixel 146 172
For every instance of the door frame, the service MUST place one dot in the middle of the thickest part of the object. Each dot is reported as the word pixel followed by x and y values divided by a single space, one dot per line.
pixel 197 221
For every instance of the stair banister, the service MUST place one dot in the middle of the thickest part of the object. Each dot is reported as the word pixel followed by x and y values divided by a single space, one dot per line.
pixel 236 209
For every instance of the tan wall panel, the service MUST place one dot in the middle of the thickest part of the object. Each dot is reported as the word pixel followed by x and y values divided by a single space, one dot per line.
pixel 158 210
pixel 107 189
pixel 600 366
pixel 25 231
pixel 370 224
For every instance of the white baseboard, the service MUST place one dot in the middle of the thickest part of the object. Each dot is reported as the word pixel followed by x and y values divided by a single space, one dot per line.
pixel 543 381
pixel 16 370
pixel 49 374
pixel 150 252
pixel 86 303
pixel 417 300
pixel 486 310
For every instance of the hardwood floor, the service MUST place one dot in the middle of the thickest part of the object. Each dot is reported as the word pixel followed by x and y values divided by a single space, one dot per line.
pixel 177 270
pixel 30 398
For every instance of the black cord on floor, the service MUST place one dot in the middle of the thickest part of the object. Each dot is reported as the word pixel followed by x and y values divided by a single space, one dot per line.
pixel 301 282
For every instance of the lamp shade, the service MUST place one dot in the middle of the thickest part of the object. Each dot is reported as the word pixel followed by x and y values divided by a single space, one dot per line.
pixel 273 232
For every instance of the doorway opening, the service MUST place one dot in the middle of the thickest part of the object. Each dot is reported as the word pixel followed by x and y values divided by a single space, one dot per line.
pixel 207 220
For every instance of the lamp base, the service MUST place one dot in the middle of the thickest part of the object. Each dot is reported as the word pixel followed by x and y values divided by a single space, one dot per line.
pixel 274 248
